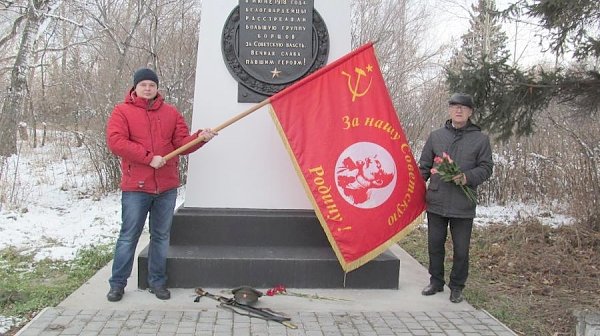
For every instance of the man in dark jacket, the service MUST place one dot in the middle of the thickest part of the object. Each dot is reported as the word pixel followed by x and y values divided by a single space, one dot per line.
pixel 141 131
pixel 447 203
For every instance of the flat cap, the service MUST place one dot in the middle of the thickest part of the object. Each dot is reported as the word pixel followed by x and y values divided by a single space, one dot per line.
pixel 462 99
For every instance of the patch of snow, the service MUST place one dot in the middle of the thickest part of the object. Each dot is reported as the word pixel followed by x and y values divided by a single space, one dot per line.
pixel 8 322
pixel 511 212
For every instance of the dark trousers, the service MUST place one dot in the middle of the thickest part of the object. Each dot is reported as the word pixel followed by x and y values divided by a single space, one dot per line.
pixel 437 231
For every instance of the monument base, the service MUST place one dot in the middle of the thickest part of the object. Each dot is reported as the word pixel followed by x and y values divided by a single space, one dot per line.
pixel 226 248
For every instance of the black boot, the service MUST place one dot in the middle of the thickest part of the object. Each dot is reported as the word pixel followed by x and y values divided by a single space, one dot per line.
pixel 161 292
pixel 456 295
pixel 115 294
pixel 432 289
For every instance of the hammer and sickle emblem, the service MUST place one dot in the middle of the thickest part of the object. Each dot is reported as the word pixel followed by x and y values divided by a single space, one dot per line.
pixel 355 88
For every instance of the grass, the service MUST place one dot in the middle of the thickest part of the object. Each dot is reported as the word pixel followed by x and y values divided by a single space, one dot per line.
pixel 28 286
pixel 531 277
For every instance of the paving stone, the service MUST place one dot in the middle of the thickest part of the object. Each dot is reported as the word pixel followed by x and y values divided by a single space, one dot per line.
pixel 65 322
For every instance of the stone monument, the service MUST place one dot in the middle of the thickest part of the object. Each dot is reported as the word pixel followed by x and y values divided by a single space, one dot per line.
pixel 246 219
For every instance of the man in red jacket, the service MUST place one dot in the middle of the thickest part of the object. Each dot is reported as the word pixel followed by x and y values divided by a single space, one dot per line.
pixel 141 131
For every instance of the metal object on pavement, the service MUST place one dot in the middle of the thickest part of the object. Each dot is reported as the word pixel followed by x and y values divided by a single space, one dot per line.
pixel 243 309
pixel 246 295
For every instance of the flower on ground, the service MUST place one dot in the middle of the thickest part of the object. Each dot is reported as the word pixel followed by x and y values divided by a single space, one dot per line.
pixel 280 289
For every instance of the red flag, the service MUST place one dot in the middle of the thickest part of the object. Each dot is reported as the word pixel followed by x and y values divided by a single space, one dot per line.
pixel 350 151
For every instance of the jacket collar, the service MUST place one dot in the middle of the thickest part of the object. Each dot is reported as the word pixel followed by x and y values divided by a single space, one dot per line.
pixel 469 127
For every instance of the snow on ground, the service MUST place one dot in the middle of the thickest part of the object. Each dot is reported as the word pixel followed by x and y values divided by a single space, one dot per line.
pixel 56 209
pixel 58 231
pixel 515 211
pixel 59 209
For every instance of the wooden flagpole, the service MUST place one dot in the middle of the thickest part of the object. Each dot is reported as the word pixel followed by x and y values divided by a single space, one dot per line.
pixel 216 129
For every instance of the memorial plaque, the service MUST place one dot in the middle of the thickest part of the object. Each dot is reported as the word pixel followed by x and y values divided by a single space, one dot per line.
pixel 269 44
pixel 276 39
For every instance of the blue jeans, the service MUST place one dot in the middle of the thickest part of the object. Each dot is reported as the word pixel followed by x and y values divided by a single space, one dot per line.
pixel 135 208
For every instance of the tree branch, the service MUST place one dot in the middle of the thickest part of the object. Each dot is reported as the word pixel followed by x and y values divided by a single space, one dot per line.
pixel 61 18
pixel 13 31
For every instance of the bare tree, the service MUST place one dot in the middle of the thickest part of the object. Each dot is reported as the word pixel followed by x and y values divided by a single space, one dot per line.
pixel 33 16
pixel 409 66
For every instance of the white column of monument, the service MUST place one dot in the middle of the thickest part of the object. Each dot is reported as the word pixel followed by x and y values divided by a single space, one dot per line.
pixel 247 165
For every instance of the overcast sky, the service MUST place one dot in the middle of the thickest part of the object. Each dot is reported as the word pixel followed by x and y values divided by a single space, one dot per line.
pixel 452 21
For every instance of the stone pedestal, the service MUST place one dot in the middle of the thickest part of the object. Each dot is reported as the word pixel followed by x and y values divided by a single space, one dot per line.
pixel 226 248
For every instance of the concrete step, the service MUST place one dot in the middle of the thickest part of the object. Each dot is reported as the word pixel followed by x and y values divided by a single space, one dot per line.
pixel 247 227
pixel 260 248
pixel 264 267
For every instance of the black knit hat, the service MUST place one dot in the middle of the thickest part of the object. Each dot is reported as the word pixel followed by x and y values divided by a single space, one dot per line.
pixel 462 99
pixel 144 74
